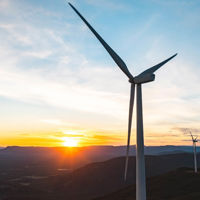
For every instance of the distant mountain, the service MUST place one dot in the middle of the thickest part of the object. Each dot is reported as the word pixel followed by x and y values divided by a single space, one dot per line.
pixel 181 184
pixel 168 149
pixel 47 161
pixel 53 158
pixel 90 181
pixel 92 153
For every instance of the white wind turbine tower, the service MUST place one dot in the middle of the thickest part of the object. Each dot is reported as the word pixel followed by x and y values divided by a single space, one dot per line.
pixel 144 77
pixel 194 141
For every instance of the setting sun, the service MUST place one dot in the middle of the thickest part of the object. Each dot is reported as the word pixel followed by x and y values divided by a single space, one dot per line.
pixel 70 142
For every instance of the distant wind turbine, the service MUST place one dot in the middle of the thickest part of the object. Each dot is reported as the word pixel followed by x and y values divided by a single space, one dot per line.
pixel 194 141
pixel 144 77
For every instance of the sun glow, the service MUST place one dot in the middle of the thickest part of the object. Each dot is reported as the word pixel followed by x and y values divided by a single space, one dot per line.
pixel 70 142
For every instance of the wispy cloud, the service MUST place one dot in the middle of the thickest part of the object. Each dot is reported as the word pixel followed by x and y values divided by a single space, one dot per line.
pixel 111 5
pixel 52 121
pixel 46 62
pixel 4 4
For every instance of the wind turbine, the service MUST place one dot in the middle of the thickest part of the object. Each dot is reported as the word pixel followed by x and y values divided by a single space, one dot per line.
pixel 194 141
pixel 144 77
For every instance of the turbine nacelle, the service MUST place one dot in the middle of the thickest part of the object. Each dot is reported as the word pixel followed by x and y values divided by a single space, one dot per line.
pixel 195 140
pixel 143 78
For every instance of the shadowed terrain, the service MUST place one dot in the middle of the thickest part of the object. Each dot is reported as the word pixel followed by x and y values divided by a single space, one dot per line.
pixel 42 181
pixel 181 184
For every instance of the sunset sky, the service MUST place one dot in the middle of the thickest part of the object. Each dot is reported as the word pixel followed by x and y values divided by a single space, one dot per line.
pixel 57 82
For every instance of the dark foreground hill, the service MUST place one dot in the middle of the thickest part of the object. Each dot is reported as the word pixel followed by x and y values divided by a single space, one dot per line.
pixel 91 181
pixel 181 184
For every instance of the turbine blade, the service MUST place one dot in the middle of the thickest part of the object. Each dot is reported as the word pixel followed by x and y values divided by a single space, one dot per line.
pixel 129 127
pixel 112 53
pixel 156 67
pixel 191 135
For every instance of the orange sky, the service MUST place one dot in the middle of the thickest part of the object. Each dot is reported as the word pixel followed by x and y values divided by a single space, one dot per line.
pixel 84 138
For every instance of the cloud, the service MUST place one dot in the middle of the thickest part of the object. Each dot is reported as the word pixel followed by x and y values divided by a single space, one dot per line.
pixel 187 130
pixel 106 137
pixel 74 82
pixel 100 140
pixel 52 121
pixel 174 3
pixel 4 4
pixel 66 79
pixel 46 64
pixel 39 54
pixel 108 4
pixel 60 134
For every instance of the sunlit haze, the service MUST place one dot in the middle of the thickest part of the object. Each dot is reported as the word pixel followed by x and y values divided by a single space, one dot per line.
pixel 59 87
pixel 70 142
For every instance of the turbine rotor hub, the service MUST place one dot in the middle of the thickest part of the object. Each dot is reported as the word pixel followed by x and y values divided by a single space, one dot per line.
pixel 131 80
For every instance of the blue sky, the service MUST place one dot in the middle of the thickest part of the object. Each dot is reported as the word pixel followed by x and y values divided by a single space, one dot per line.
pixel 55 76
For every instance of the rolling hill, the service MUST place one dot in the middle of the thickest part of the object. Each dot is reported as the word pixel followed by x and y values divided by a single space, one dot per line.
pixel 88 182
pixel 181 184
